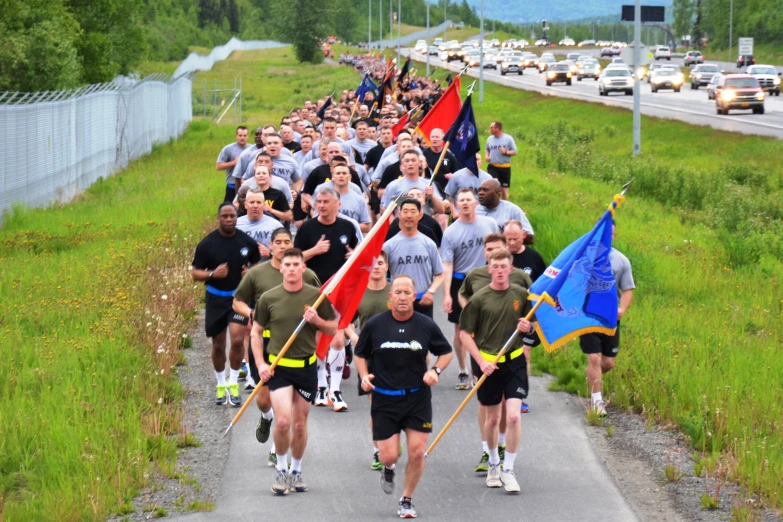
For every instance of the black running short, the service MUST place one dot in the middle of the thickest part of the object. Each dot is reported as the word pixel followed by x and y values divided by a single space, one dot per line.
pixel 219 311
pixel 299 214
pixel 509 381
pixel 606 345
pixel 456 309
pixel 502 174
pixel 423 309
pixel 251 361
pixel 375 202
pixel 304 380
pixel 230 194
pixel 393 413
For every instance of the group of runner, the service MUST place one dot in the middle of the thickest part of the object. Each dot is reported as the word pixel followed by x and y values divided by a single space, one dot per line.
pixel 297 203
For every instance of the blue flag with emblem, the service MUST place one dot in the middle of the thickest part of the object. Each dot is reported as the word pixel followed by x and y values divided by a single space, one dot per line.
pixel 463 137
pixel 321 114
pixel 580 288
pixel 366 86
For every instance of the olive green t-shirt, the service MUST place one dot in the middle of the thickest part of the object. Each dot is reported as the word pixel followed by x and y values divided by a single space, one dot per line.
pixel 373 303
pixel 280 311
pixel 492 316
pixel 479 277
pixel 264 277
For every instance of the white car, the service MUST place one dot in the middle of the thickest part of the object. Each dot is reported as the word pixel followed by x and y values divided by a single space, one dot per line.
pixel 615 79
pixel 512 63
pixel 768 77
pixel 663 53
pixel 421 46
pixel 567 42
pixel 666 78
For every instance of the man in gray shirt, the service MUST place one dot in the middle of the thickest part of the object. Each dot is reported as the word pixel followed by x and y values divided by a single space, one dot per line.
pixel 228 158
pixel 258 225
pixel 248 156
pixel 352 205
pixel 361 144
pixel 265 160
pixel 283 166
pixel 464 178
pixel 601 349
pixel 306 142
pixel 498 151
pixel 411 166
pixel 415 255
pixel 502 211
pixel 462 249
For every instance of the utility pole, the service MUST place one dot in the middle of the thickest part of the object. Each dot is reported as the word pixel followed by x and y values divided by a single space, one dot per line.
pixel 481 53
pixel 380 23
pixel 428 38
pixel 637 85
pixel 369 23
pixel 445 6
pixel 399 31
pixel 731 28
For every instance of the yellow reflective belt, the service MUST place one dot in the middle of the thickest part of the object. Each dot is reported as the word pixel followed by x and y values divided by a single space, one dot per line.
pixel 491 356
pixel 292 363
pixel 501 165
pixel 267 334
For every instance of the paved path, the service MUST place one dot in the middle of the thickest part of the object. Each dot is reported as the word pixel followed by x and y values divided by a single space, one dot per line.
pixel 561 477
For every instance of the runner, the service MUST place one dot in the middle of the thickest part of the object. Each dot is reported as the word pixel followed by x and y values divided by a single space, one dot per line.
pixel 464 178
pixel 228 157
pixel 492 205
pixel 220 261
pixel 415 255
pixel 352 203
pixel 448 166
pixel 256 224
pixel 275 202
pixel 427 225
pixel 292 386
pixel 498 150
pixel 395 345
pixel 488 320
pixel 462 249
pixel 361 144
pixel 411 169
pixel 260 279
pixel 601 349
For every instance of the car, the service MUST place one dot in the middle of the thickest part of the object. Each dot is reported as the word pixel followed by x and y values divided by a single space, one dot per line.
pixel 454 53
pixel 542 42
pixel 567 42
pixel 490 59
pixel 559 73
pixel 473 58
pixel 712 85
pixel 768 77
pixel 703 74
pixel 494 42
pixel 421 46
pixel 573 57
pixel 437 41
pixel 545 61
pixel 666 78
pixel 663 53
pixel 510 43
pixel 619 44
pixel 654 67
pixel 746 60
pixel 530 60
pixel 586 43
pixel 433 50
pixel 513 63
pixel 588 69
pixel 521 44
pixel 615 79
pixel 739 91
pixel 610 51
pixel 693 57
pixel 618 61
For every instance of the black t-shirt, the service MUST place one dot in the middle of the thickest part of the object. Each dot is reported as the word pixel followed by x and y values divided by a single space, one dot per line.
pixel 427 225
pixel 450 165
pixel 274 198
pixel 322 174
pixel 373 156
pixel 239 250
pixel 391 173
pixel 397 350
pixel 531 263
pixel 341 235
pixel 293 146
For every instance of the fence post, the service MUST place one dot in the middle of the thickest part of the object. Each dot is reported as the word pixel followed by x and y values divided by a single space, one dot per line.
pixel 240 100
pixel 205 97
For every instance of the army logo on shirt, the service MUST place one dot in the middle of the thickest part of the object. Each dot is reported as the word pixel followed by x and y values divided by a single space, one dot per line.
pixel 244 252
pixel 516 304
pixel 344 240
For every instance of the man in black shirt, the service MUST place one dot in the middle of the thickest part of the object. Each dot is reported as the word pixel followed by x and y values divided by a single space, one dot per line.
pixel 427 225
pixel 221 260
pixel 449 166
pixel 371 163
pixel 323 173
pixel 395 344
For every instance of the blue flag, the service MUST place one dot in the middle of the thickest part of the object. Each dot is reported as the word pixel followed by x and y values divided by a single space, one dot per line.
pixel 463 137
pixel 366 86
pixel 448 79
pixel 321 114
pixel 580 288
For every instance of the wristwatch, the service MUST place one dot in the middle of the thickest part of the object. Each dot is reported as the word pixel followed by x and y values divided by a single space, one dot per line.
pixel 211 273
pixel 431 291
pixel 437 370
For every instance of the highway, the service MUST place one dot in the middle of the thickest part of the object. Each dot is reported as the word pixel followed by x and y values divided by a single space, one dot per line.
pixel 691 106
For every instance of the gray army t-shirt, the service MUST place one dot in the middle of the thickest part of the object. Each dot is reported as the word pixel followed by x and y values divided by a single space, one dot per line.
pixel 505 212
pixel 464 178
pixel 621 268
pixel 493 145
pixel 402 186
pixel 229 153
pixel 463 243
pixel 260 230
pixel 416 257
pixel 352 205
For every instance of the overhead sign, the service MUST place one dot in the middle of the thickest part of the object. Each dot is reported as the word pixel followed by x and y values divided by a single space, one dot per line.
pixel 650 13
pixel 745 46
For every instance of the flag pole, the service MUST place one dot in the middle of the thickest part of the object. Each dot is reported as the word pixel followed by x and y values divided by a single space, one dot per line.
pixel 480 381
pixel 328 290
pixel 440 161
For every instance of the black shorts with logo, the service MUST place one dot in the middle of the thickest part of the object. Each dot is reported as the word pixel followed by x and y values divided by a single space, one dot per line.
pixel 251 361
pixel 219 311
pixel 456 309
pixel 606 345
pixel 304 380
pixel 502 174
pixel 509 381
pixel 393 413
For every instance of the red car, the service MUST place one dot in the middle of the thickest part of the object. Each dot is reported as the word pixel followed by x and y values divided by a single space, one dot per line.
pixel 739 91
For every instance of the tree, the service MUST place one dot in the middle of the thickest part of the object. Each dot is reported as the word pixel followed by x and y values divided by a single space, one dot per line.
pixel 233 16
pixel 304 23
pixel 696 34
pixel 683 17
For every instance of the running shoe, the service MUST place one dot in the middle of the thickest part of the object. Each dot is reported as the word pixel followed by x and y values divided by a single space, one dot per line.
pixel 493 476
pixel 502 452
pixel 263 429
pixel 600 408
pixel 376 463
pixel 243 372
pixel 220 398
pixel 387 480
pixel 525 408
pixel 272 462
pixel 250 384
pixel 463 382
pixel 320 397
pixel 337 402
pixel 280 486
pixel 233 395
pixel 483 465
pixel 296 483
pixel 406 509
pixel 509 481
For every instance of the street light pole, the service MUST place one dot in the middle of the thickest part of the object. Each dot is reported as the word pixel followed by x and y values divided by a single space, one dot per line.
pixel 380 23
pixel 481 61
pixel 369 23
pixel 427 50
pixel 399 31
pixel 637 85
pixel 731 27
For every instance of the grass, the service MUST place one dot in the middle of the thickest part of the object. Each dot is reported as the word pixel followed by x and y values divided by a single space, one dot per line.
pixel 764 53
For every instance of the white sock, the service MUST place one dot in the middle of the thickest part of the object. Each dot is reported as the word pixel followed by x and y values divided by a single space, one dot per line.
pixel 391 467
pixel 233 376
pixel 321 374
pixel 272 449
pixel 508 461
pixel 336 360
pixel 282 462
pixel 268 415
pixel 221 377
pixel 494 457
pixel 597 397
pixel 502 439
pixel 296 464
pixel 463 370
pixel 484 446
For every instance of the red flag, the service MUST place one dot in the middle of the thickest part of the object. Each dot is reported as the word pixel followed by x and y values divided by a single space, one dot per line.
pixel 400 125
pixel 348 292
pixel 443 113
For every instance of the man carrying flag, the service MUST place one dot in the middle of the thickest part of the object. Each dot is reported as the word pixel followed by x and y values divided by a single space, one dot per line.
pixel 442 114
pixel 404 71
pixel 366 86
pixel 463 137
